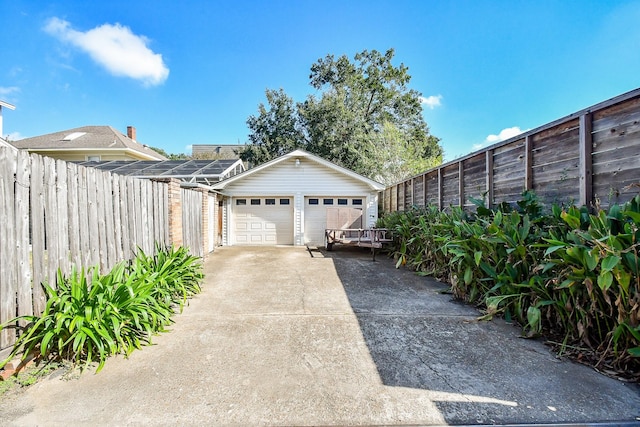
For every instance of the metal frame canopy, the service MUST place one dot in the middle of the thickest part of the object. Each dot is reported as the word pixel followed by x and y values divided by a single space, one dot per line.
pixel 206 172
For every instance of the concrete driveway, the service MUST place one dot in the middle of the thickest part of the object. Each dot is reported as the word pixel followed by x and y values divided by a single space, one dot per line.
pixel 286 336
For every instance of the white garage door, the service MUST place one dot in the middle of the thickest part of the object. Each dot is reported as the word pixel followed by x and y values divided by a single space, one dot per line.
pixel 263 221
pixel 330 212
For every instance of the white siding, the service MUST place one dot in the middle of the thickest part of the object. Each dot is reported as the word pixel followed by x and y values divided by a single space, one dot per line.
pixel 307 178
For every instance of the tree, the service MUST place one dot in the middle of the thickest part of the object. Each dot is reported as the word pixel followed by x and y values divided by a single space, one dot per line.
pixel 274 131
pixel 364 117
pixel 170 156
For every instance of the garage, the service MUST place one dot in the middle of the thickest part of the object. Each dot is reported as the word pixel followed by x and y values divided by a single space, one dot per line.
pixel 292 199
pixel 263 220
pixel 330 212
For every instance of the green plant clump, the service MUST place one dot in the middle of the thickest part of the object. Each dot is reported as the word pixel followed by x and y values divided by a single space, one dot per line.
pixel 89 317
pixel 569 274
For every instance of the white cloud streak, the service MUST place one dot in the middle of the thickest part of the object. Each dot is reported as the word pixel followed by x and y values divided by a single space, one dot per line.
pixel 504 134
pixel 116 48
pixel 10 90
pixel 14 136
pixel 432 101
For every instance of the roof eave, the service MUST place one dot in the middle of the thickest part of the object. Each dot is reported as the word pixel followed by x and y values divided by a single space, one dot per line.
pixel 301 153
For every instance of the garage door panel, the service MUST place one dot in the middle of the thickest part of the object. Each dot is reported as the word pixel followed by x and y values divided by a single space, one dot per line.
pixel 264 224
pixel 318 217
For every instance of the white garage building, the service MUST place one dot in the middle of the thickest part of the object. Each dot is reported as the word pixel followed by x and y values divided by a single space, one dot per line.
pixel 291 200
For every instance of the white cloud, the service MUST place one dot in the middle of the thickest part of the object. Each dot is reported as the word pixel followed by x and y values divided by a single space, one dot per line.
pixel 4 91
pixel 14 136
pixel 432 101
pixel 116 48
pixel 504 134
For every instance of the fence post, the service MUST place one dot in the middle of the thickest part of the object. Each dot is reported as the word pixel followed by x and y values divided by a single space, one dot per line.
pixel 440 183
pixel 461 183
pixel 528 163
pixel 175 213
pixel 489 172
pixel 205 222
pixel 586 148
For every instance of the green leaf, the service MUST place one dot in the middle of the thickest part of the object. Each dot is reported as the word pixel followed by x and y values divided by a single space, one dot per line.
pixel 468 275
pixel 635 351
pixel 591 259
pixel 534 317
pixel 477 255
pixel 605 279
pixel 610 262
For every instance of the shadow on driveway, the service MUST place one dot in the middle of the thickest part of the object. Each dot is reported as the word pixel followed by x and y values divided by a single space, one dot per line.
pixel 420 338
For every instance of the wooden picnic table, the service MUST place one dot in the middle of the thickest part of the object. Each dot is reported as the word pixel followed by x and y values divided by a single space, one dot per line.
pixel 373 238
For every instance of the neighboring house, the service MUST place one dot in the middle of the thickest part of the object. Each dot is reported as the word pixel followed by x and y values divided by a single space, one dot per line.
pixel 291 199
pixel 207 172
pixel 92 143
pixel 4 143
pixel 220 152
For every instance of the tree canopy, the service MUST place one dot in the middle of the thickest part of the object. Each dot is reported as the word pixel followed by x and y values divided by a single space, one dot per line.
pixel 363 116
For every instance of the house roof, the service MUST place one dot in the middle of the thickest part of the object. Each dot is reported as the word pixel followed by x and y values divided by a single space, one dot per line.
pixel 223 151
pixel 4 143
pixel 200 171
pixel 301 154
pixel 87 138
pixel 7 105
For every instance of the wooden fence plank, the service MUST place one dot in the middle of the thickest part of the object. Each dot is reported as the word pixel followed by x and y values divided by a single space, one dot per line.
pixel 117 218
pixel 8 274
pixel 110 234
pixel 38 259
pixel 103 259
pixel 25 295
pixel 62 217
pixel 84 217
pixel 51 216
pixel 74 214
pixel 94 238
pixel 132 202
pixel 586 148
pixel 144 220
pixel 151 223
pixel 124 217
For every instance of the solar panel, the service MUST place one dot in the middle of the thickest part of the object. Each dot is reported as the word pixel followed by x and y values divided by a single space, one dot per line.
pixel 203 171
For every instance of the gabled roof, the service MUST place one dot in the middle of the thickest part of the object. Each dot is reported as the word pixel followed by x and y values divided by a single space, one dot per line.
pixel 301 154
pixel 200 171
pixel 4 143
pixel 87 138
pixel 7 105
pixel 222 151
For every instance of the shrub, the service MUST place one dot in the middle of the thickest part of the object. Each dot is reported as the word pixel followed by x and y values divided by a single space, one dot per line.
pixel 91 317
pixel 565 273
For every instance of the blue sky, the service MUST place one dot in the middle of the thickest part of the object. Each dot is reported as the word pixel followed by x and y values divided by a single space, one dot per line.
pixel 192 72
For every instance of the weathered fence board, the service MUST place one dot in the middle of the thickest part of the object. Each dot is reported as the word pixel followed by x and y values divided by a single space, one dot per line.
pixel 74 216
pixel 55 215
pixel 51 219
pixel 62 217
pixel 8 286
pixel 591 157
pixel 23 279
pixel 37 232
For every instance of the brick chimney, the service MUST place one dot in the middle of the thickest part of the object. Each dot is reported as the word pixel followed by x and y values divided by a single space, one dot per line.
pixel 131 132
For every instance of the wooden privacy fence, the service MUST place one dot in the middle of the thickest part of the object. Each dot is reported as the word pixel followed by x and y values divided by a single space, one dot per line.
pixel 55 214
pixel 590 157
